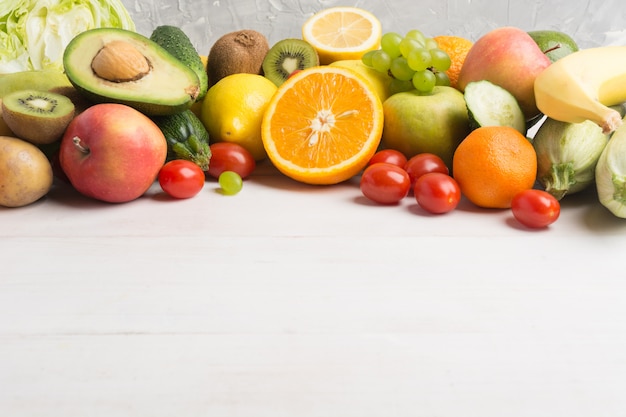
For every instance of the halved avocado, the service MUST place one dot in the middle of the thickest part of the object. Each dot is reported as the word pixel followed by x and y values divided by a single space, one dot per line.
pixel 112 65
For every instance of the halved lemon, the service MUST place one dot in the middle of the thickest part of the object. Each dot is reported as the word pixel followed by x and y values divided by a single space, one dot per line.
pixel 339 33
pixel 322 125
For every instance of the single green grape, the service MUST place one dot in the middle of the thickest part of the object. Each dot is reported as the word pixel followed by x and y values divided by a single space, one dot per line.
pixel 366 58
pixel 424 81
pixel 442 78
pixel 419 59
pixel 430 43
pixel 399 86
pixel 390 43
pixel 381 61
pixel 417 35
pixel 440 59
pixel 400 69
pixel 407 45
pixel 230 182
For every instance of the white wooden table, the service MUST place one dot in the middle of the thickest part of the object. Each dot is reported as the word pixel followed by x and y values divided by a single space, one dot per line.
pixel 294 300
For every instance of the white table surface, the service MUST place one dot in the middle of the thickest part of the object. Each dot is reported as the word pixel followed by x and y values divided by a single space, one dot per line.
pixel 295 300
pixel 289 300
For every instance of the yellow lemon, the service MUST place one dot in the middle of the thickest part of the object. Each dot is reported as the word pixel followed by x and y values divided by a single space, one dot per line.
pixel 342 32
pixel 233 108
pixel 381 83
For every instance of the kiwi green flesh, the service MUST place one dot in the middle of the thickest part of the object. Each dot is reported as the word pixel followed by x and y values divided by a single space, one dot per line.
pixel 34 103
pixel 170 87
pixel 37 116
pixel 286 56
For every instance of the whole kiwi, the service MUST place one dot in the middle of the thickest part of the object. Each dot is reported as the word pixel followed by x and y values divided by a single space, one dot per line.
pixel 242 51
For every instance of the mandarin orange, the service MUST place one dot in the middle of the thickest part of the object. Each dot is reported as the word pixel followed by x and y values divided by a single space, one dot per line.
pixel 492 164
pixel 457 48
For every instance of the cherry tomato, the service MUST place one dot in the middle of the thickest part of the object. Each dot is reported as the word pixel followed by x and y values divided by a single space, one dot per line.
pixel 422 163
pixel 535 208
pixel 385 183
pixel 227 156
pixel 437 192
pixel 181 178
pixel 391 156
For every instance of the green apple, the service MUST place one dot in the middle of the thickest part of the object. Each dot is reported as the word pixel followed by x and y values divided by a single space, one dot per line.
pixel 435 122
pixel 553 43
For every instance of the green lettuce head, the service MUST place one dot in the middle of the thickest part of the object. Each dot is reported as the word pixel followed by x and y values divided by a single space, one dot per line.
pixel 34 33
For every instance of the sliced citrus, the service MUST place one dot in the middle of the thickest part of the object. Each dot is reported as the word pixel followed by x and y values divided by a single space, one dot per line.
pixel 322 125
pixel 342 33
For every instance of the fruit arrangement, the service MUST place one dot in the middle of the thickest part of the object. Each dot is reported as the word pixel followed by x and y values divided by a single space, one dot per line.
pixel 439 117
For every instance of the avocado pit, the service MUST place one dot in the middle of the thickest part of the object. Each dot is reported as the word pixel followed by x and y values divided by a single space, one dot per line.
pixel 119 61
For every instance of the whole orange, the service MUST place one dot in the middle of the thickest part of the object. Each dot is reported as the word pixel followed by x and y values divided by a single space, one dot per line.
pixel 492 164
pixel 457 48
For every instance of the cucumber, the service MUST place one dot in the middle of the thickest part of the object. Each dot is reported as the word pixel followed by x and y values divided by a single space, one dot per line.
pixel 178 44
pixel 491 105
pixel 187 138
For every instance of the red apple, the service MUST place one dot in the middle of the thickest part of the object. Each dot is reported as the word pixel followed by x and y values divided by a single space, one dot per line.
pixel 112 152
pixel 509 57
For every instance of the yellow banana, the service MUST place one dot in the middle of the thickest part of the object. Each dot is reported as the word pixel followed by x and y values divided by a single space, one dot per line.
pixel 581 86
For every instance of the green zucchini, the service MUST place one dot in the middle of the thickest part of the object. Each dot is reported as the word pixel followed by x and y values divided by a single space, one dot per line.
pixel 611 173
pixel 175 41
pixel 491 105
pixel 567 154
pixel 187 138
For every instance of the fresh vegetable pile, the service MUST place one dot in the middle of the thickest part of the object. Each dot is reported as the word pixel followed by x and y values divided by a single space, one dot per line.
pixel 88 100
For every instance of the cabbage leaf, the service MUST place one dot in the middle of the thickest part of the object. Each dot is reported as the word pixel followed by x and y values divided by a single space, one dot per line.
pixel 34 33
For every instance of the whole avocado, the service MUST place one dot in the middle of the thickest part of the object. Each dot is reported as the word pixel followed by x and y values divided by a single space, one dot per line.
pixel 553 43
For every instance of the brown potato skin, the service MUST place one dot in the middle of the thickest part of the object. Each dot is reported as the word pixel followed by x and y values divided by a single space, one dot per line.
pixel 25 172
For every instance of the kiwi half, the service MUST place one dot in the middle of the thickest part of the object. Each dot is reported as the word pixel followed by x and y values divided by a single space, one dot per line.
pixel 39 117
pixel 287 56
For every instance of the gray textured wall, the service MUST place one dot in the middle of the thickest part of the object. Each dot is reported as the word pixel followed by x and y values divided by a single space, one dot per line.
pixel 590 23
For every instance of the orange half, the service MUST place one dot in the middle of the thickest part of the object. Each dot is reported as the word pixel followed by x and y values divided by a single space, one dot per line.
pixel 322 125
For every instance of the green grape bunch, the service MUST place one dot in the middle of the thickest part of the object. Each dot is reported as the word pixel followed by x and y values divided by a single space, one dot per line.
pixel 413 61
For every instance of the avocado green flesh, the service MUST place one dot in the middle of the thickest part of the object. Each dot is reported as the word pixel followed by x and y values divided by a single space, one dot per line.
pixel 170 87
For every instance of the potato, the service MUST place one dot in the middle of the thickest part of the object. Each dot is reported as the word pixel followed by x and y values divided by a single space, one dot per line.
pixel 25 172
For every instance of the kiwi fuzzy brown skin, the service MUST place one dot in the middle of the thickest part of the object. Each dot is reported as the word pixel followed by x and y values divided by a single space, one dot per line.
pixel 286 56
pixel 36 125
pixel 242 51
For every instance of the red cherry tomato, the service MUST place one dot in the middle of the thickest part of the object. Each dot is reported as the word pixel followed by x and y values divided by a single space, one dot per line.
pixel 391 156
pixel 437 192
pixel 423 163
pixel 535 208
pixel 227 156
pixel 181 178
pixel 385 183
